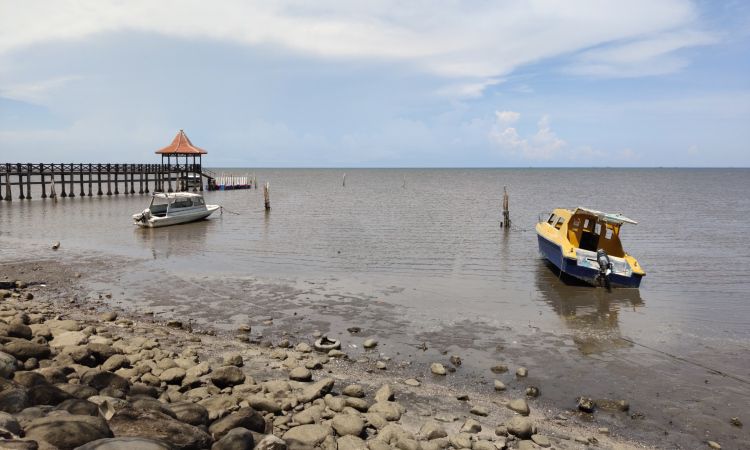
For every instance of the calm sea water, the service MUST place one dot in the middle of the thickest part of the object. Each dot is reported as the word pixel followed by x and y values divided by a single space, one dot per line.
pixel 417 256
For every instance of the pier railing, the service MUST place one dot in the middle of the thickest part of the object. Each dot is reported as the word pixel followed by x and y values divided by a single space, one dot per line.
pixel 92 179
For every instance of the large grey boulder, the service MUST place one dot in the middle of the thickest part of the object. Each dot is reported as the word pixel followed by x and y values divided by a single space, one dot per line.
pixel 347 424
pixel 226 376
pixel 7 365
pixel 190 413
pixel 156 425
pixel 23 350
pixel 316 390
pixel 126 443
pixel 13 400
pixel 235 439
pixel 243 417
pixel 67 432
pixel 306 436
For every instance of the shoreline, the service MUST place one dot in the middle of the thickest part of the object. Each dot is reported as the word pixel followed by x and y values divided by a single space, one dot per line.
pixel 422 404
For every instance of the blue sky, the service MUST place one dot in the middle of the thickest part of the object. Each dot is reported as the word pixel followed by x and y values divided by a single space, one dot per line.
pixel 378 84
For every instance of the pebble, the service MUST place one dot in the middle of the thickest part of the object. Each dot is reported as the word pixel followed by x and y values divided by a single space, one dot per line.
pixel 522 372
pixel 585 404
pixel 735 421
pixel 471 426
pixel 532 391
pixel 541 440
pixel 412 382
pixel 520 406
pixel 479 411
pixel 300 374
pixel 499 368
pixel 499 385
pixel 381 365
pixel 455 360
pixel 370 343
pixel 715 445
pixel 603 430
pixel 437 369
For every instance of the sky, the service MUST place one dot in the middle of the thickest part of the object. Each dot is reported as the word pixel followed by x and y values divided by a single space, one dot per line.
pixel 341 83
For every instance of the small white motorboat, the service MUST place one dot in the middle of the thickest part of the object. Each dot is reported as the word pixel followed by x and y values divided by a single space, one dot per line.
pixel 172 209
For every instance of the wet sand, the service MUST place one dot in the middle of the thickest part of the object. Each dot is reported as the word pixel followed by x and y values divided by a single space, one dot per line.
pixel 298 310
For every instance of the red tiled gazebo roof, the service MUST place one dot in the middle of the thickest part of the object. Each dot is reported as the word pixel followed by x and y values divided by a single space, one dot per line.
pixel 181 145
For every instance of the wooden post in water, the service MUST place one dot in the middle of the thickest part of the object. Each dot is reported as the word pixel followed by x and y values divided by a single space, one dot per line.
pixel 44 184
pixel 28 181
pixel 20 182
pixel 267 196
pixel 8 196
pixel 343 183
pixel 90 176
pixel 506 211
pixel 80 180
pixel 117 188
pixel 72 182
pixel 52 190
pixel 99 179
pixel 109 186
pixel 62 180
pixel 132 178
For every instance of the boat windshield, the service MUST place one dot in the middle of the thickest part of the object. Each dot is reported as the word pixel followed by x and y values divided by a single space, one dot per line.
pixel 159 205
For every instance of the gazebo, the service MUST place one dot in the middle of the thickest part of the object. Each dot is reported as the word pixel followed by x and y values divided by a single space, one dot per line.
pixel 181 146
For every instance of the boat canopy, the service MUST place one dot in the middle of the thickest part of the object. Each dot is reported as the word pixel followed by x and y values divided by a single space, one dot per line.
pixel 176 195
pixel 605 217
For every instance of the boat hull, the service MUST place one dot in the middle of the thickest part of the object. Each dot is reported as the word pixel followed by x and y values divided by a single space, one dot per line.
pixel 180 218
pixel 553 253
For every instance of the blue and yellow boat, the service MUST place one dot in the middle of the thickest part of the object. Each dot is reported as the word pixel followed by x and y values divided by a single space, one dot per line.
pixel 585 244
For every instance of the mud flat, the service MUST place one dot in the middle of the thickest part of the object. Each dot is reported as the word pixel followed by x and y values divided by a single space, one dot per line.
pixel 76 373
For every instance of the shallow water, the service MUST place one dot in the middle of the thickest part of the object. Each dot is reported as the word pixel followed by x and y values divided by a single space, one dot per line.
pixel 417 256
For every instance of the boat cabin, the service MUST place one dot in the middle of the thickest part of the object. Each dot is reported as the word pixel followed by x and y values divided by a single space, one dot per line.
pixel 162 204
pixel 591 230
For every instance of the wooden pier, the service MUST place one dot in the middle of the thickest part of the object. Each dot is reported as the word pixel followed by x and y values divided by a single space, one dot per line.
pixel 86 180
pixel 71 180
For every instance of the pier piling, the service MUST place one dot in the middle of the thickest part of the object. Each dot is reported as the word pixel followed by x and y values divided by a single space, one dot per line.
pixel 506 211
pixel 267 196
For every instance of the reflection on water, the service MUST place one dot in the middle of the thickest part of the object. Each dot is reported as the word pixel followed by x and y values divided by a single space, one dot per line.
pixel 592 314
pixel 165 242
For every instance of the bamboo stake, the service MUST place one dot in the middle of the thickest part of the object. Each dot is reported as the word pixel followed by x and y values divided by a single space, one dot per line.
pixel 267 196
pixel 506 211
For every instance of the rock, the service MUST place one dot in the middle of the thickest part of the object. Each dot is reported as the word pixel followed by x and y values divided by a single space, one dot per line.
pixel 735 421
pixel 413 382
pixel 109 316
pixel 603 430
pixel 115 362
pixel 437 369
pixel 455 360
pixel 67 432
pixel 521 427
pixel 77 390
pixel 190 413
pixel 173 376
pixel 235 439
pixel 218 405
pixel 125 443
pixel 101 379
pixel 13 400
pixel 612 405
pixel 499 368
pixel 316 390
pixel 471 426
pixel 227 376
pixel 479 411
pixel 233 359
pixel 499 385
pixel 460 440
pixel 10 424
pixel 270 442
pixel 7 365
pixel 520 406
pixel 351 443
pixel 384 394
pixel 19 329
pixel 55 245
pixel 532 391
pixel 585 404
pixel 243 417
pixel 541 440
pixel 158 426
pixel 79 407
pixel 46 394
pixel 370 343
pixel 526 445
pixel 347 424
pixel 380 365
pixel 101 351
pixel 300 374
pixel 23 350
pixel 303 347
pixel 198 370
pixel 306 436
pixel 501 430
pixel 354 390
pixel 310 415
pixel 391 411
pixel 359 404
pixel 324 344
pixel 153 405
pixel 68 339
pixel 483 445
pixel 713 444
pixel 335 404
pixel 432 430
pixel 261 403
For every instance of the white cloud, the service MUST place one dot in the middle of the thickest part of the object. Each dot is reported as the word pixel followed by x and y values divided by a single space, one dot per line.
pixel 543 145
pixel 37 91
pixel 472 39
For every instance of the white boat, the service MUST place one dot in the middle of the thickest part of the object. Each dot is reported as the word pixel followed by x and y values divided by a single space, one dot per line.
pixel 172 209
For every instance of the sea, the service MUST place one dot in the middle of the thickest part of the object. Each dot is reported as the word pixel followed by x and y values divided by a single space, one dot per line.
pixel 418 260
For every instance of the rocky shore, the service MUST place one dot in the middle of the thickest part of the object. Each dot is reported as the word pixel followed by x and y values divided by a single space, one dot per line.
pixel 76 376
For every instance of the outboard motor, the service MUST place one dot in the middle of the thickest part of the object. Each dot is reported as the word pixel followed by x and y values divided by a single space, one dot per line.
pixel 605 266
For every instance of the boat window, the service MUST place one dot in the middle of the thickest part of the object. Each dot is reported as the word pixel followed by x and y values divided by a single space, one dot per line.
pixel 586 224
pixel 598 228
pixel 197 201
pixel 551 219
pixel 182 203
pixel 576 222
pixel 608 234
pixel 559 223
